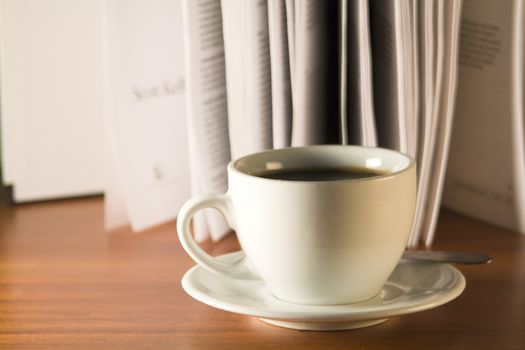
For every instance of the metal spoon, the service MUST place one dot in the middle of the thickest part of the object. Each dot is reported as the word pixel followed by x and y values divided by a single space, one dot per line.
pixel 447 257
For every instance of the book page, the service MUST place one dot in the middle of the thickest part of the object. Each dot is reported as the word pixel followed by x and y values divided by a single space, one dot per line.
pixel 426 77
pixel 310 73
pixel 413 129
pixel 146 66
pixel 445 118
pixel 52 98
pixel 429 149
pixel 369 125
pixel 487 142
pixel 388 68
pixel 248 76
pixel 360 110
pixel 6 144
pixel 115 208
pixel 410 68
pixel 403 33
pixel 431 124
pixel 427 124
pixel 207 113
pixel 343 69
pixel 8 127
pixel 280 74
pixel 290 26
pixel 518 107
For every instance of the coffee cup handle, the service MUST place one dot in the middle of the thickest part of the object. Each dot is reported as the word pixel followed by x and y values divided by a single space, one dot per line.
pixel 222 202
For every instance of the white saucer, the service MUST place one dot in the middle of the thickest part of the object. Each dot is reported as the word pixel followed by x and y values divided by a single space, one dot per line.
pixel 412 287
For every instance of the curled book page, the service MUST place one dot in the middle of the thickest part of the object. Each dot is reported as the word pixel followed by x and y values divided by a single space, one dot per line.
pixel 207 111
pixel 147 115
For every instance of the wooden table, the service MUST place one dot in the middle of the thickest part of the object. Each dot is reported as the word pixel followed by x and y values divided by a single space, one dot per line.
pixel 66 284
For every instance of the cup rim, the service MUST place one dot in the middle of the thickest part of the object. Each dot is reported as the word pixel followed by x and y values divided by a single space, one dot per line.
pixel 232 166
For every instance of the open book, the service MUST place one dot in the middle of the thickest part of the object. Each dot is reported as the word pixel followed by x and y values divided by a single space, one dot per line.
pixel 297 73
pixel 277 73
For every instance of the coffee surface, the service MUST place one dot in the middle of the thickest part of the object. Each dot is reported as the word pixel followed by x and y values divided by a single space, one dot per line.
pixel 321 174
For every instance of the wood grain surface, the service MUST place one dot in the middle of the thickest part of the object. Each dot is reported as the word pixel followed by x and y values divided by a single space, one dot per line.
pixel 67 284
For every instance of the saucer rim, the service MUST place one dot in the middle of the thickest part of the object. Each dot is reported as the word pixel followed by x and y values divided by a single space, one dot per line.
pixel 332 313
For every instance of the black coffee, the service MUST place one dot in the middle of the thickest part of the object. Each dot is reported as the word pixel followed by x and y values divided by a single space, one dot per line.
pixel 321 174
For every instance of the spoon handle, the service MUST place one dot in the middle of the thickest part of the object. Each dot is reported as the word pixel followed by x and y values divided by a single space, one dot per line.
pixel 448 257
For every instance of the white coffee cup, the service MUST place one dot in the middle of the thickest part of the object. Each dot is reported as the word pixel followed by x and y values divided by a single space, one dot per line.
pixel 313 242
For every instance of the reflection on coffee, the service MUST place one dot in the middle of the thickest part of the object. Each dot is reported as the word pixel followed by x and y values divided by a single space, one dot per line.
pixel 321 174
